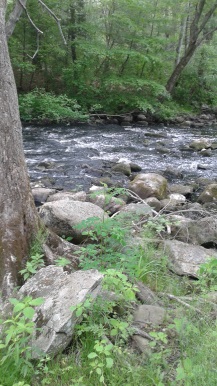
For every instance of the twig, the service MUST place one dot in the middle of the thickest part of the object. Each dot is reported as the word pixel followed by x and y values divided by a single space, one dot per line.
pixel 134 195
pixel 37 48
pixel 173 297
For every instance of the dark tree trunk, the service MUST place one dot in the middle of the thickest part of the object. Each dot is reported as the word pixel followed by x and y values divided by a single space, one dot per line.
pixel 179 68
pixel 197 36
pixel 18 217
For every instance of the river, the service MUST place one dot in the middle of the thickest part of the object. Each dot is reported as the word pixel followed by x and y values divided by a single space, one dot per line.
pixel 67 150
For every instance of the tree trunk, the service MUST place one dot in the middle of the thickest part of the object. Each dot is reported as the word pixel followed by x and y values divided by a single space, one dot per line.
pixel 14 17
pixel 18 216
pixel 179 68
pixel 199 31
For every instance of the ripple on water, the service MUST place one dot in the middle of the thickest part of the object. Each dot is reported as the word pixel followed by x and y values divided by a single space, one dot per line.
pixel 75 146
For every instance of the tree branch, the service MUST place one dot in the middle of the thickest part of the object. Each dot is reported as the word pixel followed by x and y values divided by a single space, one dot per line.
pixel 37 47
pixel 55 18
pixel 14 17
pixel 29 18
pixel 17 11
pixel 206 18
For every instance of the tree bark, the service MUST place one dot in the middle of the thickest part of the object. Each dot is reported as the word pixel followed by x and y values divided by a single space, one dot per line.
pixel 18 216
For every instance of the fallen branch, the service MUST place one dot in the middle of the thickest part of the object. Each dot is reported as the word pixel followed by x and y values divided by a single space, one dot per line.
pixel 173 297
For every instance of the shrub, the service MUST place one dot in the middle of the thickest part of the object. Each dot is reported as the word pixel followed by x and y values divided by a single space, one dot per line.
pixel 39 105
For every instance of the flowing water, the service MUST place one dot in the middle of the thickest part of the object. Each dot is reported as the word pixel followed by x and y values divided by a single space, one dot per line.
pixel 68 149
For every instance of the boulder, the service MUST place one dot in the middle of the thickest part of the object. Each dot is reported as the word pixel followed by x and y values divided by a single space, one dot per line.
pixel 149 184
pixel 186 190
pixel 55 247
pixel 41 195
pixel 44 165
pixel 199 144
pixel 141 117
pixel 135 167
pixel 154 203
pixel 108 203
pixel 171 172
pixel 62 216
pixel 185 259
pixel 54 319
pixel 202 231
pixel 206 152
pixel 78 196
pixel 122 167
pixel 141 344
pixel 173 201
pixel 136 210
pixel 209 194
pixel 149 314
pixel 146 295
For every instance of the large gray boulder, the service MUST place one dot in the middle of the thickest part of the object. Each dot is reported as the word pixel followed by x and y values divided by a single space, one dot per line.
pixel 122 167
pixel 53 318
pixel 137 210
pixel 202 231
pixel 149 184
pixel 77 196
pixel 62 216
pixel 209 194
pixel 41 195
pixel 107 202
pixel 185 259
pixel 200 143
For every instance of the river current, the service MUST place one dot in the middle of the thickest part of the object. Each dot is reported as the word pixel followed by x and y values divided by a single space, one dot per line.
pixel 68 149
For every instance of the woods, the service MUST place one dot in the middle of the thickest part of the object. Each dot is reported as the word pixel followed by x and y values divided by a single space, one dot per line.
pixel 120 55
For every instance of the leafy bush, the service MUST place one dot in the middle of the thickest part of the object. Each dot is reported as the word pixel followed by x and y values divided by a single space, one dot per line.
pixel 39 105
pixel 15 351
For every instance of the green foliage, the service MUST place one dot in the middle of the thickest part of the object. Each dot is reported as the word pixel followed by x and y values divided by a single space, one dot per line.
pixel 208 275
pixel 101 358
pixel 101 321
pixel 39 105
pixel 36 260
pixel 109 239
pixel 119 57
pixel 62 262
pixel 17 332
pixel 32 266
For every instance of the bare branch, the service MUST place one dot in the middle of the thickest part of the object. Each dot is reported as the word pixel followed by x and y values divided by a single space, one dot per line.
pixel 55 18
pixel 37 48
pixel 29 18
pixel 173 297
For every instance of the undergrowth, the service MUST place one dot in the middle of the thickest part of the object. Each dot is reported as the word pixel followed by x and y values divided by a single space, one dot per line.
pixel 180 352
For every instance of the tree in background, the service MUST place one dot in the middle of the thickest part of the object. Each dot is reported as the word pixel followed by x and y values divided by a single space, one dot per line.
pixel 196 28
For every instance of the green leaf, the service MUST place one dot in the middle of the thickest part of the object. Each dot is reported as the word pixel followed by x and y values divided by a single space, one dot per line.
pixel 109 363
pixel 13 301
pixel 19 307
pixel 79 312
pixel 36 302
pixel 29 312
pixel 92 355
pixel 99 371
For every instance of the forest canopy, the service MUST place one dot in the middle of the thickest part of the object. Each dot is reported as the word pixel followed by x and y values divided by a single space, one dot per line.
pixel 120 55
